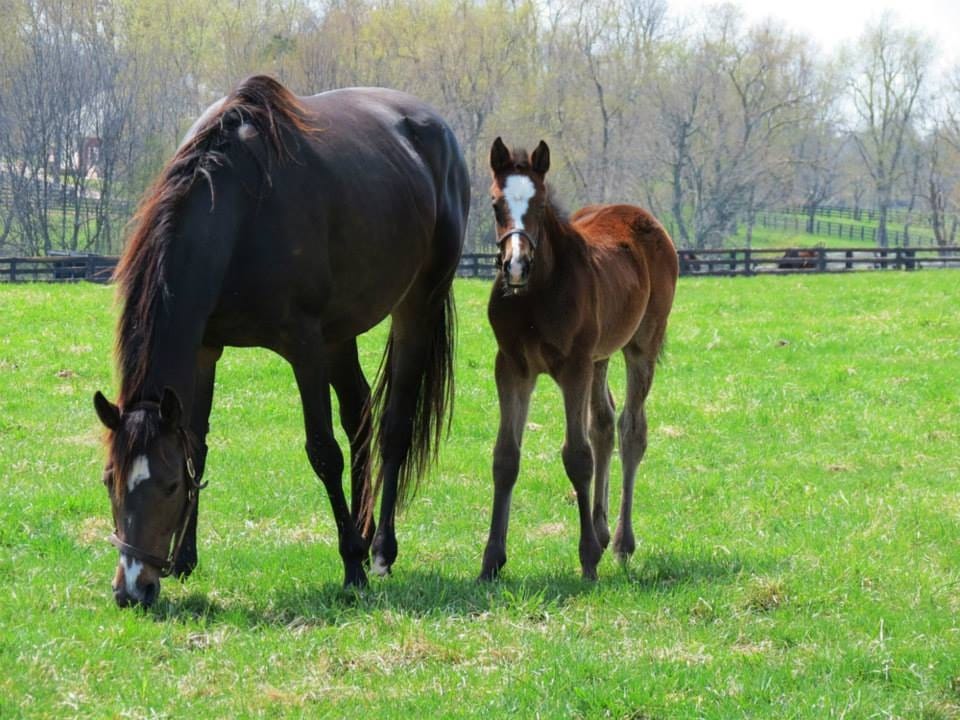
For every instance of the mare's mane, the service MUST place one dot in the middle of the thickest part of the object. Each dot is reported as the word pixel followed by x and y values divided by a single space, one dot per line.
pixel 260 102
pixel 270 110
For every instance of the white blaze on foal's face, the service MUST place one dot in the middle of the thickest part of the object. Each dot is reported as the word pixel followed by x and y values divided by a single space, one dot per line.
pixel 518 191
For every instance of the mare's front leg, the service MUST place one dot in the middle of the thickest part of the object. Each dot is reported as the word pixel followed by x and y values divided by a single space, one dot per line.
pixel 186 559
pixel 326 458
pixel 514 386
pixel 575 379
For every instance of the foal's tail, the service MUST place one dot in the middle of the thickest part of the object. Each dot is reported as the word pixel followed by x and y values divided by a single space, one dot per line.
pixel 433 409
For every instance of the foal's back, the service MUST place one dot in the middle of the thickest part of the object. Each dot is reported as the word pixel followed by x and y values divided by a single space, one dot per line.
pixel 635 267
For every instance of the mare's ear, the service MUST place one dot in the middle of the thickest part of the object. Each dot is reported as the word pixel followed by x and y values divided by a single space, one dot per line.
pixel 108 413
pixel 500 160
pixel 540 160
pixel 171 409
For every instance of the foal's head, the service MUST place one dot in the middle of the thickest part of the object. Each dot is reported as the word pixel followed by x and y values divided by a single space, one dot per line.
pixel 519 203
pixel 150 479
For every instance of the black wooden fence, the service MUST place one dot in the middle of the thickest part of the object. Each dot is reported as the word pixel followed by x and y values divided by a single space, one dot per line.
pixel 727 262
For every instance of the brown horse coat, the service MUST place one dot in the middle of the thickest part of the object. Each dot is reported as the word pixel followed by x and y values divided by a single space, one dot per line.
pixel 586 287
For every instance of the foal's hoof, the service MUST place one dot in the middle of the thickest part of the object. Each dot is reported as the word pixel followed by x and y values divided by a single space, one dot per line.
pixel 623 546
pixel 489 574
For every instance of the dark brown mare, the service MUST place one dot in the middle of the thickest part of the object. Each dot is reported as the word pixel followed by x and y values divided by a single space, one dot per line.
pixel 293 224
pixel 570 293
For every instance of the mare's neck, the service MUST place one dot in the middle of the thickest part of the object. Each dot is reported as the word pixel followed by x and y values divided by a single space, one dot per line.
pixel 195 262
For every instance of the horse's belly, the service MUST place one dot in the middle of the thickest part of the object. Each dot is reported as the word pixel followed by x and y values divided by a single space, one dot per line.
pixel 621 311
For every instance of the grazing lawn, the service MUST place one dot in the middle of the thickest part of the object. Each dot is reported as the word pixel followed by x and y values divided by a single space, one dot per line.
pixel 798 521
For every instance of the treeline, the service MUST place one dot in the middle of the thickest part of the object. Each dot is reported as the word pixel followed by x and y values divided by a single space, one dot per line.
pixel 705 122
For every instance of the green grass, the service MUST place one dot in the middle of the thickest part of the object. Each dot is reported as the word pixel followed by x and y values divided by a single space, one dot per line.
pixel 797 513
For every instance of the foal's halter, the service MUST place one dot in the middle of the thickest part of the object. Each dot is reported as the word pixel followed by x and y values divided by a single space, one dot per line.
pixel 507 235
pixel 165 565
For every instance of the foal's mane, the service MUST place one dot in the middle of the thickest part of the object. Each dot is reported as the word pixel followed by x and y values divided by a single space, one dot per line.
pixel 259 102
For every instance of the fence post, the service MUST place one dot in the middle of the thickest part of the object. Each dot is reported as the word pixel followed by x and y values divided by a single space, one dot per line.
pixel 821 259
pixel 748 270
pixel 13 270
pixel 849 255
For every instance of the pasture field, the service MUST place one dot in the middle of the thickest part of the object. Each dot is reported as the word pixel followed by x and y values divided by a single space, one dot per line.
pixel 798 521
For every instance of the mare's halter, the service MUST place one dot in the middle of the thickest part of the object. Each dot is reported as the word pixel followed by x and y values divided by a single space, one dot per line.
pixel 506 236
pixel 165 565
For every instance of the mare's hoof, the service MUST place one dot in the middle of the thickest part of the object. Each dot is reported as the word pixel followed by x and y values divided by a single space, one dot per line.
pixel 354 578
pixel 380 566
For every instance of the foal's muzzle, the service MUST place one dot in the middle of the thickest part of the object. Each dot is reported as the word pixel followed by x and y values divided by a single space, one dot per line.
pixel 516 269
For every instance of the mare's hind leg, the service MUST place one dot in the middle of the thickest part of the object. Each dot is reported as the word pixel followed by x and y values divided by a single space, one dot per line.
pixel 641 358
pixel 353 393
pixel 326 458
pixel 514 387
pixel 406 409
pixel 601 438
pixel 186 559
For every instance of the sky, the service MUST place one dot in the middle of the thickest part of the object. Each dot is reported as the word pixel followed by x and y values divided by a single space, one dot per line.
pixel 834 23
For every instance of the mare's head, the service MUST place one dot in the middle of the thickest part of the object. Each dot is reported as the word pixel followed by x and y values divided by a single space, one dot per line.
pixel 519 197
pixel 151 481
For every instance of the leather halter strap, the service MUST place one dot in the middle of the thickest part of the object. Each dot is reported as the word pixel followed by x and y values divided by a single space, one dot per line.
pixel 517 231
pixel 165 565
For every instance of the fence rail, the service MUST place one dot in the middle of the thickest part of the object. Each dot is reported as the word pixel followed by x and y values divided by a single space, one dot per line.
pixel 839 229
pixel 57 268
pixel 733 261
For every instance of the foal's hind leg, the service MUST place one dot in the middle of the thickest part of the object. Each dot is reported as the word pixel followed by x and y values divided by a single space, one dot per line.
pixel 601 438
pixel 641 358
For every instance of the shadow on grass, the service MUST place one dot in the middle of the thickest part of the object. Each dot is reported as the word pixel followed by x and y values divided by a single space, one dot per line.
pixel 418 593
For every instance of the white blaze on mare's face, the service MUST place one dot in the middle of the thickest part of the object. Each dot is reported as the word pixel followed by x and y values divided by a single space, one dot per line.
pixel 131 571
pixel 517 191
pixel 139 471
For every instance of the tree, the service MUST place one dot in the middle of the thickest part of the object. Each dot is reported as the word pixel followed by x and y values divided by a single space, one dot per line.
pixel 889 75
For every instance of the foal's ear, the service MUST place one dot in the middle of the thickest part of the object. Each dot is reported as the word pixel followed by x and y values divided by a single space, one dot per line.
pixel 170 408
pixel 108 413
pixel 500 160
pixel 540 160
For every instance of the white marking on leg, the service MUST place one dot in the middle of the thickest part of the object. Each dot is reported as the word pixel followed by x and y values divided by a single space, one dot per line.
pixel 139 472
pixel 379 566
pixel 131 571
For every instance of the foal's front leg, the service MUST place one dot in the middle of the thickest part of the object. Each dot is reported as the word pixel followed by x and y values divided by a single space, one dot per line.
pixel 514 386
pixel 575 380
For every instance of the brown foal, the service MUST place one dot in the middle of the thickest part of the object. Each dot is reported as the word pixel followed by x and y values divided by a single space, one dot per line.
pixel 569 294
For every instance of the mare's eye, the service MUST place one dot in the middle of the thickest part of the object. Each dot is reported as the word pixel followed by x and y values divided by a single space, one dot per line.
pixel 170 489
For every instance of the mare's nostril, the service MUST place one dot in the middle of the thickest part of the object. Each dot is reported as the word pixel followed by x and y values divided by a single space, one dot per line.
pixel 150 593
pixel 120 595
